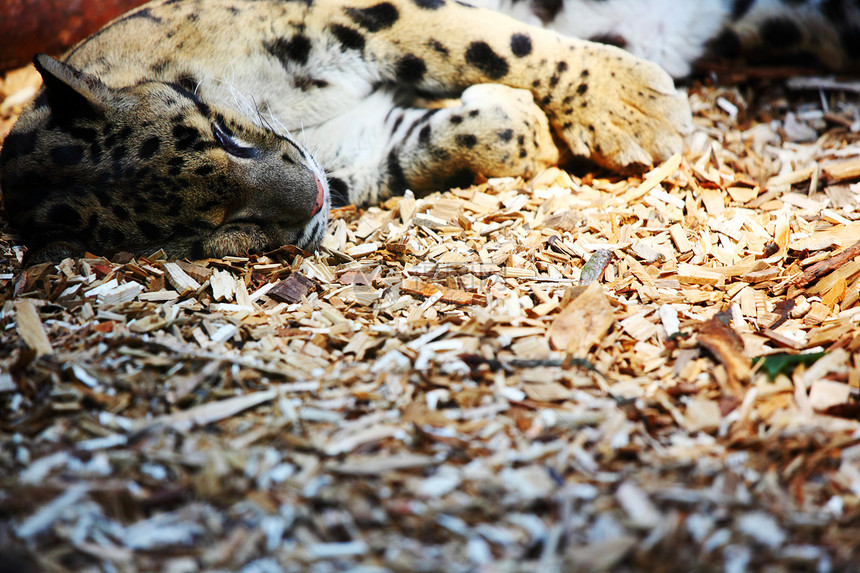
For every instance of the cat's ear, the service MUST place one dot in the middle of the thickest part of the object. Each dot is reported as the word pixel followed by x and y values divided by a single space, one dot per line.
pixel 71 93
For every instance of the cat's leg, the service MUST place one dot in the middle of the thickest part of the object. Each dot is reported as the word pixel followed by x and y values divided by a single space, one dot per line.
pixel 493 130
pixel 606 104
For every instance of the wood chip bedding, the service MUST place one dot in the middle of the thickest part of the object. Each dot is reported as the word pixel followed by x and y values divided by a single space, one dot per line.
pixel 574 373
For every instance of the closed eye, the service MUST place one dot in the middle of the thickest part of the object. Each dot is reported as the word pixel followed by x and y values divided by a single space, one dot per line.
pixel 231 145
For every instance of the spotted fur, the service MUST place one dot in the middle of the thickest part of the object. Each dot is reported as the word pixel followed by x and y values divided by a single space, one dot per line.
pixel 677 33
pixel 229 126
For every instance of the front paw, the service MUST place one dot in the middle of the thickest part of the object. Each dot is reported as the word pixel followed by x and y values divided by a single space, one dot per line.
pixel 620 111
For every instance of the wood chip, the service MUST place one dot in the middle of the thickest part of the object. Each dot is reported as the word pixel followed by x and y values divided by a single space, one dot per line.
pixel 582 323
pixel 180 280
pixel 657 176
pixel 291 289
pixel 842 169
pixel 825 394
pixel 374 465
pixel 31 329
pixel 725 344
pixel 697 275
pixel 429 290
pixel 825 266
pixel 703 415
pixel 530 374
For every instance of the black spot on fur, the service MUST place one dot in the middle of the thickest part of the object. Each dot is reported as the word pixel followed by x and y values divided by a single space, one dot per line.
pixel 410 69
pixel 461 178
pixel 185 137
pixel 482 56
pixel 204 145
pixel 427 115
pixel 176 165
pixel 430 4
pixel 67 155
pixel 305 83
pixel 120 212
pixel 295 50
pixel 740 8
pixel 119 152
pixel 397 183
pixel 111 141
pixel 727 44
pixel 456 119
pixel 440 154
pixel 424 135
pixel 582 88
pixel 204 170
pixel 437 45
pixel 375 18
pixel 780 33
pixel 466 140
pixel 158 67
pixel 610 39
pixel 149 148
pixel 521 45
pixel 86 134
pixel 105 196
pixel 420 121
pixel 149 230
pixel 348 38
pixel 64 215
pixel 547 10
pixel 506 135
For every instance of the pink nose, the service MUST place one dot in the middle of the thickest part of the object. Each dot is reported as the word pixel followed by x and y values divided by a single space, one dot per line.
pixel 320 200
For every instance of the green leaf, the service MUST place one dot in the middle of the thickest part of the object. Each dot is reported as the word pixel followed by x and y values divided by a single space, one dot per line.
pixel 775 364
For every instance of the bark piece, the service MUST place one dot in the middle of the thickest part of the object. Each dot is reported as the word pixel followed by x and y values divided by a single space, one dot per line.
pixel 291 289
pixel 583 322
pixel 727 347
pixel 31 329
